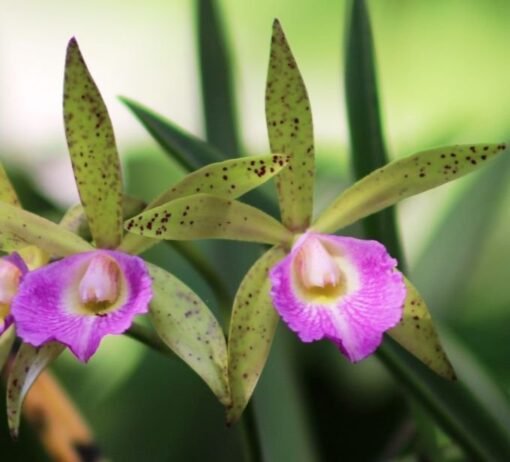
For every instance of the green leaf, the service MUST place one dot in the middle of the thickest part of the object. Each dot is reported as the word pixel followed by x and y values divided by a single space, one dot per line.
pixel 188 150
pixel 91 143
pixel 365 128
pixel 75 219
pixel 29 363
pixel 186 325
pixel 451 244
pixel 289 124
pixel 417 334
pixel 453 406
pixel 7 191
pixel 216 80
pixel 228 179
pixel 404 178
pixel 203 216
pixel 19 228
pixel 252 328
pixel 6 342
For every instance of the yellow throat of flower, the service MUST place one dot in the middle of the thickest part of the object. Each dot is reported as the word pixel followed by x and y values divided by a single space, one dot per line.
pixel 317 272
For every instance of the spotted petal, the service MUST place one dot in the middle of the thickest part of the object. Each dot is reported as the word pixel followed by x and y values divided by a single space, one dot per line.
pixel 49 304
pixel 354 315
pixel 93 152
pixel 404 178
pixel 289 125
pixel 417 334
pixel 29 363
pixel 204 216
pixel 229 179
pixel 19 228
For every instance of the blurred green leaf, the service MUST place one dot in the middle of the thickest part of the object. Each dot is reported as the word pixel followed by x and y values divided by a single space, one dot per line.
pixel 404 178
pixel 228 179
pixel 29 363
pixel 290 129
pixel 188 150
pixel 203 216
pixel 417 334
pixel 7 191
pixel 218 93
pixel 19 228
pixel 252 328
pixel 454 407
pixel 6 341
pixel 451 245
pixel 187 326
pixel 93 152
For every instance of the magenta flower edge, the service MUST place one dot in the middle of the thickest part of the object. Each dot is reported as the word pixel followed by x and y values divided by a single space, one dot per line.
pixel 78 300
pixel 342 289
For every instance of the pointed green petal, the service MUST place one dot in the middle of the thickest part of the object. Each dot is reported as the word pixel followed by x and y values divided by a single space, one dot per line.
pixel 29 363
pixel 228 179
pixel 6 341
pixel 203 216
pixel 186 325
pixel 252 329
pixel 93 152
pixel 289 124
pixel 404 178
pixel 416 333
pixel 20 228
pixel 7 191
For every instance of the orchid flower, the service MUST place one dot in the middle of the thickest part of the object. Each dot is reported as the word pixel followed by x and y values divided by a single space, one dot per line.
pixel 323 286
pixel 96 287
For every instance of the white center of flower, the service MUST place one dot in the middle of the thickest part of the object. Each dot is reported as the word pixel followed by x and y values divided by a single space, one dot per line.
pixel 316 267
pixel 10 276
pixel 101 281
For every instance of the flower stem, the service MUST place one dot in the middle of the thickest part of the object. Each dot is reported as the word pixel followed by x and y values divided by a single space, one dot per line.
pixel 251 437
pixel 146 336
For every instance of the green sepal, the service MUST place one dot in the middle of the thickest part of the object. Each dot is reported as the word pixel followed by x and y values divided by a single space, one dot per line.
pixel 93 152
pixel 75 219
pixel 190 330
pixel 203 216
pixel 417 334
pixel 19 228
pixel 29 363
pixel 228 179
pixel 404 178
pixel 7 191
pixel 252 328
pixel 289 124
pixel 6 342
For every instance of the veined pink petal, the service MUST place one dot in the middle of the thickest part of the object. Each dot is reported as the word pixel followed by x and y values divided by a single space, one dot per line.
pixel 12 271
pixel 366 299
pixel 49 306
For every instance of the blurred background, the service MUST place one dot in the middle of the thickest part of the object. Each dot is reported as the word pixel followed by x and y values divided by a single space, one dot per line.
pixel 443 73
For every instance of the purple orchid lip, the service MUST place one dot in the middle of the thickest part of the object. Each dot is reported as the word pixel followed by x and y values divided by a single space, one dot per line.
pixel 12 272
pixel 80 299
pixel 342 289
